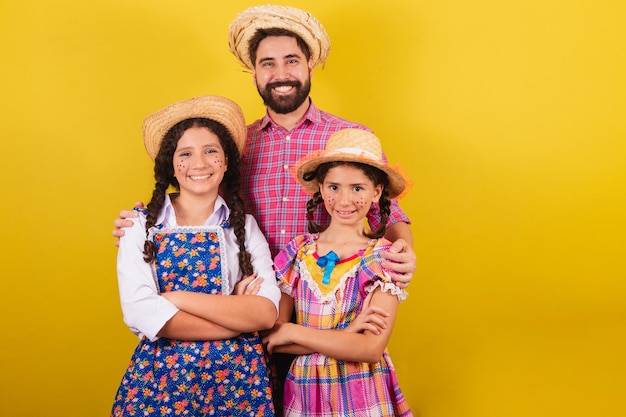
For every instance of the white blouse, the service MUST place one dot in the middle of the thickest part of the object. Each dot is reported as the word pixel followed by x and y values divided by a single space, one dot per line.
pixel 145 311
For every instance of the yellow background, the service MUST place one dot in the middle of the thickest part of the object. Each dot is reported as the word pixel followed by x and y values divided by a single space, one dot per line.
pixel 508 115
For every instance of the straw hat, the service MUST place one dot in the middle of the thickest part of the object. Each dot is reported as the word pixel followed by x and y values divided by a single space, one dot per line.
pixel 302 23
pixel 351 145
pixel 217 108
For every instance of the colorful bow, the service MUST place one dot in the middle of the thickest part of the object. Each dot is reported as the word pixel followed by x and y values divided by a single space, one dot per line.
pixel 327 262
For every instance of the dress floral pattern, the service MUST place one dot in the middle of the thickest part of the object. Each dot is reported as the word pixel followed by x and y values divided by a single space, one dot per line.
pixel 169 377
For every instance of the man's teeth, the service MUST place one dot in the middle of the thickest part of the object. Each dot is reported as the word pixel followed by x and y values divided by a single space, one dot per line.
pixel 283 88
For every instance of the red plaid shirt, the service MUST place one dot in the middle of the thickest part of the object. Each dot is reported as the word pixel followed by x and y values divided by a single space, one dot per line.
pixel 272 195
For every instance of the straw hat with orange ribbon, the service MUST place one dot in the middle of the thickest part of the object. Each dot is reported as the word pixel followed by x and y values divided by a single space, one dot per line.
pixel 300 22
pixel 351 145
pixel 222 110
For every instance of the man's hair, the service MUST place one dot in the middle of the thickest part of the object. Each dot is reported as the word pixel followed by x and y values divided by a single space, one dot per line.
pixel 261 34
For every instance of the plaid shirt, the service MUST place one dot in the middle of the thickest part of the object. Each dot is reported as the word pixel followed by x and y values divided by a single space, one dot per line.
pixel 272 195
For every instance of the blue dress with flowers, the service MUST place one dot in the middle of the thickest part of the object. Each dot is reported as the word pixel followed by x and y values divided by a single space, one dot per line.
pixel 169 377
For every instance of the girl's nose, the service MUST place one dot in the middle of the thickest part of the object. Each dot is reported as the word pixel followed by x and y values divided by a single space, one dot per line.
pixel 198 160
pixel 343 197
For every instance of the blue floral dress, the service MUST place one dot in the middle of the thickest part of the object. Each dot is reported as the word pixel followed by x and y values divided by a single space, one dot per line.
pixel 169 377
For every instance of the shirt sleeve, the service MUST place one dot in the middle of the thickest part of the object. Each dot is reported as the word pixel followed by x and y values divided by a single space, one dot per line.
pixel 261 259
pixel 145 311
pixel 287 266
pixel 372 274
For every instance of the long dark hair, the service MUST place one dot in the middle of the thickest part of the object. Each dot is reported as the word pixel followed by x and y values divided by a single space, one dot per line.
pixel 229 188
pixel 377 176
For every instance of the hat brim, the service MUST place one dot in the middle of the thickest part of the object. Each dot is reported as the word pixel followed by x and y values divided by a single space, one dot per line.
pixel 222 110
pixel 300 22
pixel 398 183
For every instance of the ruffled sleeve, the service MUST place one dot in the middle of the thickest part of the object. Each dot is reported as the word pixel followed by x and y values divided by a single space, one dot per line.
pixel 373 275
pixel 287 264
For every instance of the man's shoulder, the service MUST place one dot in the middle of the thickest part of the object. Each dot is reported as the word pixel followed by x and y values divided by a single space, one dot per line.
pixel 338 121
pixel 255 126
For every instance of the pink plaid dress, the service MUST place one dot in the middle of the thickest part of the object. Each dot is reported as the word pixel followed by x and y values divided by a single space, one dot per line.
pixel 318 385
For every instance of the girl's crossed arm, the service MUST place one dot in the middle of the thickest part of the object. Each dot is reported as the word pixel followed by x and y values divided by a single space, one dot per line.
pixel 343 344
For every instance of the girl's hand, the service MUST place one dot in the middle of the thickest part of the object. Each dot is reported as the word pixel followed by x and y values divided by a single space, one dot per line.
pixel 249 285
pixel 370 318
pixel 278 336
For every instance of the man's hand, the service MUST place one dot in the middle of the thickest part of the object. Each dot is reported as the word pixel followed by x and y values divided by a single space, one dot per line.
pixel 122 222
pixel 401 262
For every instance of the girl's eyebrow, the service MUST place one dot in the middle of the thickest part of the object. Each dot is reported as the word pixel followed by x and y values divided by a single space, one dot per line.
pixel 359 184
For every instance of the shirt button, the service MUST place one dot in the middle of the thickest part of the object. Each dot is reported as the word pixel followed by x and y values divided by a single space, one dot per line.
pixel 287 137
pixel 285 198
pixel 282 232
pixel 286 167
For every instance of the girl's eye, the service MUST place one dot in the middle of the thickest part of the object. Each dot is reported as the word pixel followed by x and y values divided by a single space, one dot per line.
pixel 357 188
pixel 183 154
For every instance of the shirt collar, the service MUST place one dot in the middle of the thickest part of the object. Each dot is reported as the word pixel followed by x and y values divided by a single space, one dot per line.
pixel 220 213
pixel 313 114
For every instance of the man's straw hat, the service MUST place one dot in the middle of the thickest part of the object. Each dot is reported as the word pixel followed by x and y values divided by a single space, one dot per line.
pixel 351 145
pixel 302 23
pixel 220 109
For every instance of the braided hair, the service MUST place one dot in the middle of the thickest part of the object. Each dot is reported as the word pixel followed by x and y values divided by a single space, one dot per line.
pixel 229 188
pixel 377 176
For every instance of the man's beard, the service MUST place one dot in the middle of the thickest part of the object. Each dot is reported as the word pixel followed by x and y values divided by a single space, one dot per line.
pixel 285 104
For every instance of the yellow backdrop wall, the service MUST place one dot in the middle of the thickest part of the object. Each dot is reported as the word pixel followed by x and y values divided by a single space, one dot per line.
pixel 508 116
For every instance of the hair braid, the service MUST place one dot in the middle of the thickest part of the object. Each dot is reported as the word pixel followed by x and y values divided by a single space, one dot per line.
pixel 311 208
pixel 384 207
pixel 164 177
pixel 154 208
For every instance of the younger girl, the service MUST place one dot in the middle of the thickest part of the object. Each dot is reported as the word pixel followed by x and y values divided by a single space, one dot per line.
pixel 180 270
pixel 329 277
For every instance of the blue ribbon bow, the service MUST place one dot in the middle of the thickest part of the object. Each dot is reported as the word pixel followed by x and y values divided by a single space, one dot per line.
pixel 327 262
